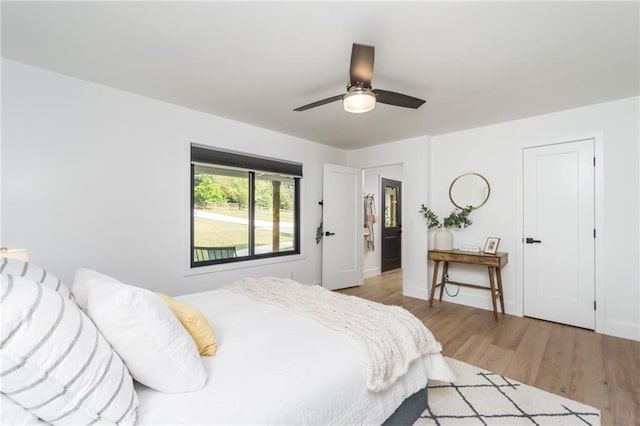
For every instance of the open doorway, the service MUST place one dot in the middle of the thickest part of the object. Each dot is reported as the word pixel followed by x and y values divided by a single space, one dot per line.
pixel 391 244
pixel 374 198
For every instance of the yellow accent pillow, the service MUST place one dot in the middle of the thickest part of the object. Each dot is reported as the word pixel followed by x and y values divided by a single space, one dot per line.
pixel 195 323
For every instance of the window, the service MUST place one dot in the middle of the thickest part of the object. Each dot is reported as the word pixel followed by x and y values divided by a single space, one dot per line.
pixel 242 207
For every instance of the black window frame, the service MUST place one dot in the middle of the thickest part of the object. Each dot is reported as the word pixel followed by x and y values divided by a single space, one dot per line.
pixel 215 157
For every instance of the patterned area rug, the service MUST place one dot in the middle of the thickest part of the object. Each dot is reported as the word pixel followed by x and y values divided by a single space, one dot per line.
pixel 480 397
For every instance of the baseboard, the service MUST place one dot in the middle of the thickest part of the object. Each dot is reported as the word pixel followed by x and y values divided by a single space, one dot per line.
pixel 415 292
pixel 622 329
pixel 372 272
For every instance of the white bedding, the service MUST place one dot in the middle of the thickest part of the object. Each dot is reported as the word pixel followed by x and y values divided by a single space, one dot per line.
pixel 390 337
pixel 274 367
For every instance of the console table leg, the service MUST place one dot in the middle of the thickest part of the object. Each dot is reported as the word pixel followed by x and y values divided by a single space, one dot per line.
pixel 436 264
pixel 493 293
pixel 445 271
pixel 499 277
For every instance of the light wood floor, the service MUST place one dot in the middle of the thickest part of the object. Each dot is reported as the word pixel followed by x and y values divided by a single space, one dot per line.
pixel 592 368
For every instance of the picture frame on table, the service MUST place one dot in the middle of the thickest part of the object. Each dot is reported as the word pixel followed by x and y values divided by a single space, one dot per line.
pixel 491 246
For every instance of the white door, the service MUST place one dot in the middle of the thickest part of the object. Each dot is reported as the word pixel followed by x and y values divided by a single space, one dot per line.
pixel 559 245
pixel 342 223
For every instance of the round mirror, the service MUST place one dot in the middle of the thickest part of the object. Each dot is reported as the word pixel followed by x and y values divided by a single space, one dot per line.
pixel 469 189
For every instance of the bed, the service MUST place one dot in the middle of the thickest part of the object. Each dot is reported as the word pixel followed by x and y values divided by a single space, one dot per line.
pixel 272 366
pixel 275 367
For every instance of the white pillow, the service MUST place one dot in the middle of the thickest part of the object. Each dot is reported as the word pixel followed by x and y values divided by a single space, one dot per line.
pixel 158 350
pixel 55 363
pixel 81 282
pixel 34 272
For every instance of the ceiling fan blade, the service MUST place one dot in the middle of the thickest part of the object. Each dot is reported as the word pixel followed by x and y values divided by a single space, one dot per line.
pixel 397 99
pixel 319 103
pixel 361 70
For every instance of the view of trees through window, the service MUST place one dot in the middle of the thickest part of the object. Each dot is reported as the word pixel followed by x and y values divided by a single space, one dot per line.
pixel 221 204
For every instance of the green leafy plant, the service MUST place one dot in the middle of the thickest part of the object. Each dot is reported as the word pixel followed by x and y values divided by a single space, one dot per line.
pixel 319 233
pixel 459 218
pixel 430 217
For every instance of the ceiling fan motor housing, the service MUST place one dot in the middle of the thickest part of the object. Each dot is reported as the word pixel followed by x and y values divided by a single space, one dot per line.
pixel 359 100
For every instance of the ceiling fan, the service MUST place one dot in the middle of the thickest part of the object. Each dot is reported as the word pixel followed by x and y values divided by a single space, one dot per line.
pixel 360 97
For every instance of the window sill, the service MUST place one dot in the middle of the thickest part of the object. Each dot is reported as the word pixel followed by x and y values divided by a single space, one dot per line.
pixel 210 269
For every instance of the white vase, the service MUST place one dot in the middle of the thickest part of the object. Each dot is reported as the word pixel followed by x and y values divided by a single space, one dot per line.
pixel 443 239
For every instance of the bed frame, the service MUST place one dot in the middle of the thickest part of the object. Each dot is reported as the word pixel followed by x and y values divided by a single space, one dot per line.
pixel 409 411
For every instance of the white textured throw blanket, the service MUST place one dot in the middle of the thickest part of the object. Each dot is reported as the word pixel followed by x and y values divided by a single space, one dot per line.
pixel 390 337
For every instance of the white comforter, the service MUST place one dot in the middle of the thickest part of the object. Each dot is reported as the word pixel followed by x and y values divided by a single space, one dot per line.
pixel 274 367
pixel 390 337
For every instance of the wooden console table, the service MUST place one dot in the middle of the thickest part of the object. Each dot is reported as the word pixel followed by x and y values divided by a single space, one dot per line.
pixel 493 262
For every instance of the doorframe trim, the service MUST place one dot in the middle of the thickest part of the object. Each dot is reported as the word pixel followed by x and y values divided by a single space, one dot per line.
pixel 599 253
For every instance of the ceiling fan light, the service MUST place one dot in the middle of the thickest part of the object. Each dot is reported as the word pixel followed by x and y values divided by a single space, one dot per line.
pixel 359 101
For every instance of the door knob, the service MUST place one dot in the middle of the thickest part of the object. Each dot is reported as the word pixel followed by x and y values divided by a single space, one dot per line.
pixel 328 234
pixel 530 240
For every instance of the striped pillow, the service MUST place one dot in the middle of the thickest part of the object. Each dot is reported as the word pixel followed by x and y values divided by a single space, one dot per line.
pixel 55 363
pixel 13 414
pixel 34 272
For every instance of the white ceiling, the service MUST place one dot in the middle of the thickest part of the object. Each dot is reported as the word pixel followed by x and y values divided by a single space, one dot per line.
pixel 475 63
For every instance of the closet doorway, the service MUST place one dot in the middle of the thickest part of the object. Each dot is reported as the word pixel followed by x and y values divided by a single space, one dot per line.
pixel 391 243
pixel 374 220
pixel 560 233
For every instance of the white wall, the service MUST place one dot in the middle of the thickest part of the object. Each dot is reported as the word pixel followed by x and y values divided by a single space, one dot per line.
pixel 495 152
pixel 96 177
pixel 413 155
pixel 89 178
pixel 371 184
